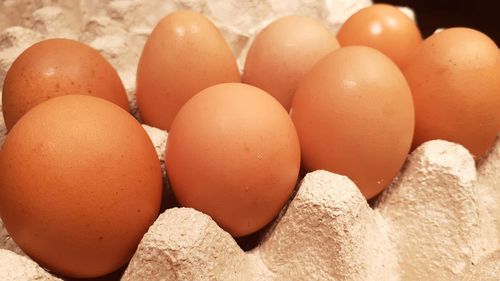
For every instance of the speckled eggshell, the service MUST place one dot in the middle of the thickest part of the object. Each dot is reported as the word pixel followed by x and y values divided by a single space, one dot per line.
pixel 57 67
pixel 80 183
pixel 455 82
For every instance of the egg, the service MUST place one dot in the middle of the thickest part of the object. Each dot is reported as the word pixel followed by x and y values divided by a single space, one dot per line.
pixel 283 52
pixel 80 183
pixel 56 67
pixel 354 116
pixel 385 28
pixel 233 153
pixel 455 81
pixel 184 54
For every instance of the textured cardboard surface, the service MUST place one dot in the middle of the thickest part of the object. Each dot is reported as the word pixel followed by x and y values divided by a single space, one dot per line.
pixel 439 220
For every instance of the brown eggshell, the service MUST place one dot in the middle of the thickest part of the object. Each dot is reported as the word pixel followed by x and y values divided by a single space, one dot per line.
pixel 354 116
pixel 385 28
pixel 184 54
pixel 57 67
pixel 283 52
pixel 233 153
pixel 455 81
pixel 80 183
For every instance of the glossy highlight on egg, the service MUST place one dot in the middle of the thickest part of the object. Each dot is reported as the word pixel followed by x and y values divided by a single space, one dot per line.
pixel 184 54
pixel 385 28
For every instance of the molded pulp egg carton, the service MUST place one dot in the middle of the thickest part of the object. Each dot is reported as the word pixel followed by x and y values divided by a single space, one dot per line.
pixel 439 220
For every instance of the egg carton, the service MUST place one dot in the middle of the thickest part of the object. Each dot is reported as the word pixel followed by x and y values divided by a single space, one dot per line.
pixel 438 220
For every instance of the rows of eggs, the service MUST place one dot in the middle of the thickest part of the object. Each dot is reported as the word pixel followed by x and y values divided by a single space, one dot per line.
pixel 80 182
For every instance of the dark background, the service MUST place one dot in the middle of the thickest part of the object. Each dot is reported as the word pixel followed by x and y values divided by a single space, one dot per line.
pixel 483 15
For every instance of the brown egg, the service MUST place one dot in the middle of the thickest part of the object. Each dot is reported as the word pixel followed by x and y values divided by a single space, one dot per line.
pixel 455 81
pixel 184 54
pixel 233 153
pixel 80 183
pixel 57 67
pixel 354 116
pixel 283 52
pixel 385 28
